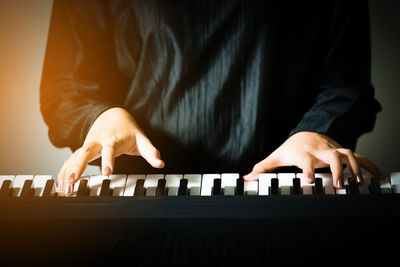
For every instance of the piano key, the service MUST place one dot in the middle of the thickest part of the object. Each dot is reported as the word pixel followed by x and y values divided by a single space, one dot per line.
pixel 194 183
pixel 49 188
pixel 183 187
pixel 240 186
pixel 140 190
pixel 216 187
pixel 27 190
pixel 296 189
pixel 6 189
pixel 105 189
pixel 39 182
pixel 151 183
pixel 327 183
pixel 117 184
pixel 285 183
pixel 385 186
pixel 131 183
pixel 172 183
pixel 251 188
pixel 264 183
pixel 228 183
pixel 207 183
pixel 274 188
pixel 375 186
pixel 318 187
pixel 6 178
pixel 81 187
pixel 306 188
pixel 340 191
pixel 6 185
pixel 352 187
pixel 95 183
pixel 395 182
pixel 160 191
pixel 18 183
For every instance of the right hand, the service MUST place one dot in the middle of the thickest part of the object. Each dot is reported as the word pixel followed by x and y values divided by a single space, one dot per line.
pixel 114 132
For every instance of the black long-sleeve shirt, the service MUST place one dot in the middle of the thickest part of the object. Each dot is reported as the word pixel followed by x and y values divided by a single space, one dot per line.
pixel 215 85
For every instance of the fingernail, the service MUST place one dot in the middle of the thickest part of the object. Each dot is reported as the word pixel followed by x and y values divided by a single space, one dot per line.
pixel 339 183
pixel 71 178
pixel 359 179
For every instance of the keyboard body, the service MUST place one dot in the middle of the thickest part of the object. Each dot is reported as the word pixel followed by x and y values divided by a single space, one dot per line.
pixel 219 230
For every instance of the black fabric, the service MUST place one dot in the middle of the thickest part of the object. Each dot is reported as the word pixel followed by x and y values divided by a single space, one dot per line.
pixel 215 85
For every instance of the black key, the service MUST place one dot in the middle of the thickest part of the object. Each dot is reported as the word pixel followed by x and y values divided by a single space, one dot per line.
pixel 6 189
pixel 352 188
pixel 48 188
pixel 160 191
pixel 296 189
pixel 318 187
pixel 274 190
pixel 182 190
pixel 217 187
pixel 139 188
pixel 27 190
pixel 83 190
pixel 105 188
pixel 240 186
pixel 375 186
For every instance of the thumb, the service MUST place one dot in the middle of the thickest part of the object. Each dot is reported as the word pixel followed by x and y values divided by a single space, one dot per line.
pixel 267 165
pixel 149 152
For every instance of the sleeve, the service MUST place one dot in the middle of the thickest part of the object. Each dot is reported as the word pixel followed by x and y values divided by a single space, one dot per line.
pixel 80 76
pixel 345 107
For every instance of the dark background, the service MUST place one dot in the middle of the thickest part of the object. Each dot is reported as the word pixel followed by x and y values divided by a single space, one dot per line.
pixel 25 148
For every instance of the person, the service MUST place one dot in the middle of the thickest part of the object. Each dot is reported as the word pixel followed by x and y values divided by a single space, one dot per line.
pixel 209 86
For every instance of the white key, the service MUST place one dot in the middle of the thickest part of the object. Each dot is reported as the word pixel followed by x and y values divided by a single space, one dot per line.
pixel 251 188
pixel 385 186
pixel 39 182
pixel 117 184
pixel 131 184
pixel 95 183
pixel 285 182
pixel 172 183
pixel 395 182
pixel 194 183
pixel 6 177
pixel 228 183
pixel 264 183
pixel 151 183
pixel 18 183
pixel 207 183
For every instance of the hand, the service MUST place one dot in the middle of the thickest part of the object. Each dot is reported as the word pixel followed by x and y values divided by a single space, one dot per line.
pixel 113 133
pixel 308 150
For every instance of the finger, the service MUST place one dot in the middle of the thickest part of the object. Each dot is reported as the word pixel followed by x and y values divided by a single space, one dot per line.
pixel 351 162
pixel 369 166
pixel 149 152
pixel 79 162
pixel 332 157
pixel 267 165
pixel 107 159
pixel 307 165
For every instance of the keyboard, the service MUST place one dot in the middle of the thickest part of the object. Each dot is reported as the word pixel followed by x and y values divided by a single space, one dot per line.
pixel 228 184
pixel 198 220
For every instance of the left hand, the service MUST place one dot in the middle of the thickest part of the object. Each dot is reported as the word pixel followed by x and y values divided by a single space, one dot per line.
pixel 309 150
